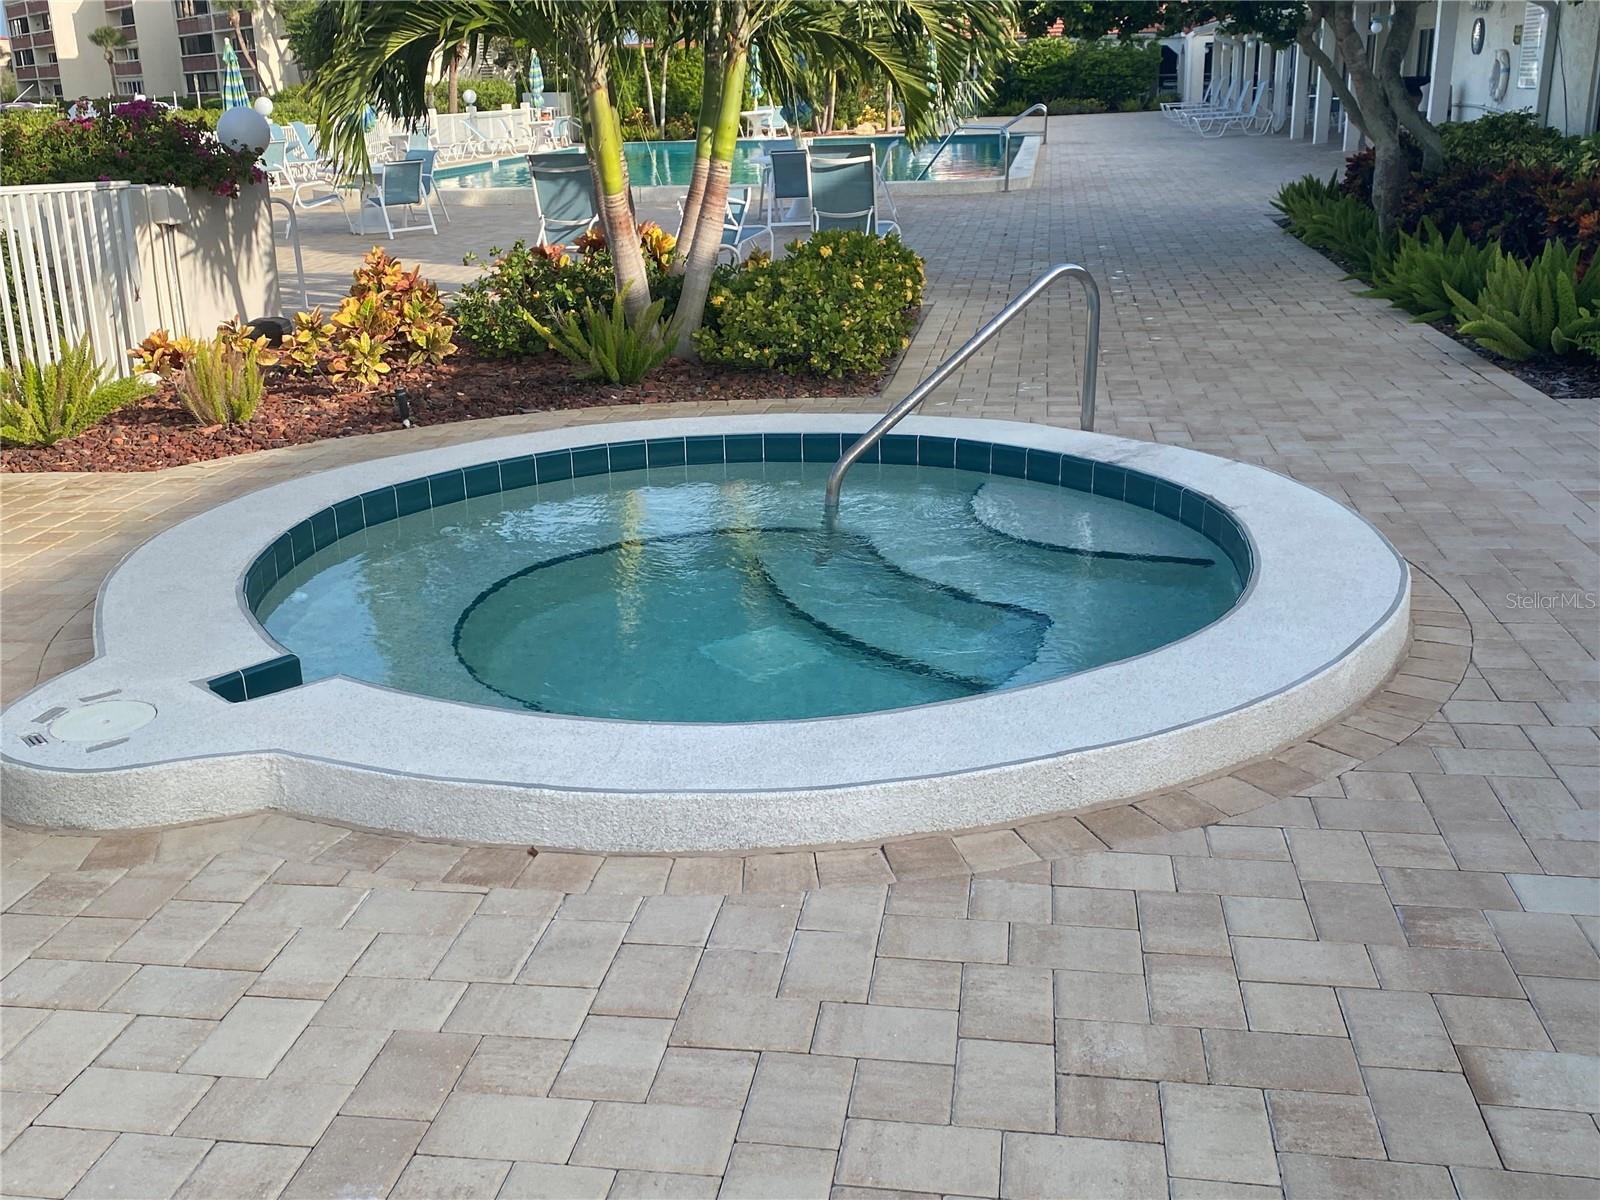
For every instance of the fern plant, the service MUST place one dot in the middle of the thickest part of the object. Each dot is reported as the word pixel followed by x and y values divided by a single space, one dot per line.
pixel 221 383
pixel 1416 276
pixel 1348 228
pixel 1305 196
pixel 41 405
pixel 605 346
pixel 1529 309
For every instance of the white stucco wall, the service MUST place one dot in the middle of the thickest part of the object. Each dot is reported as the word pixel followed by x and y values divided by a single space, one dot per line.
pixel 1569 91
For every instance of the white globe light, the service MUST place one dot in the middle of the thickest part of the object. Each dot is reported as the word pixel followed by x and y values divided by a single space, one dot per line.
pixel 244 129
pixel 263 105
pixel 470 96
pixel 1376 26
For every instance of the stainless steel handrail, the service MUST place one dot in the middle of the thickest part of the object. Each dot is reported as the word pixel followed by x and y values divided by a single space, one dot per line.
pixel 1091 354
pixel 1002 131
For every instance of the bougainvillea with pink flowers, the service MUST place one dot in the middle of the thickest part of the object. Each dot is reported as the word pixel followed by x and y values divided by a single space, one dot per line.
pixel 138 141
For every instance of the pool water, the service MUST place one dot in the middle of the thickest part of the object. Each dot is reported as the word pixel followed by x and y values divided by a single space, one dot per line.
pixel 669 164
pixel 712 594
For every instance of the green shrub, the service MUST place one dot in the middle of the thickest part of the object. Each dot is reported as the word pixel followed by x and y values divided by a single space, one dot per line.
pixel 1495 139
pixel 221 383
pixel 841 303
pixel 1529 309
pixel 1423 267
pixel 1072 108
pixel 1110 72
pixel 41 405
pixel 492 92
pixel 604 346
pixel 501 310
pixel 138 141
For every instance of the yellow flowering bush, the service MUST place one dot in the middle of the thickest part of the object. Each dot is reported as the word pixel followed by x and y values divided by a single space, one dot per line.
pixel 841 303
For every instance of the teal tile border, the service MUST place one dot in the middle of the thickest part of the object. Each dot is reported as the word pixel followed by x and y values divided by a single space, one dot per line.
pixel 263 679
pixel 449 487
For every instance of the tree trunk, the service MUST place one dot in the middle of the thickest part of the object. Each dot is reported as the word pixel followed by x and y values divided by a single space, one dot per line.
pixel 649 87
pixel 666 53
pixel 455 76
pixel 888 106
pixel 604 146
pixel 705 130
pixel 1390 175
pixel 237 22
pixel 833 99
pixel 702 257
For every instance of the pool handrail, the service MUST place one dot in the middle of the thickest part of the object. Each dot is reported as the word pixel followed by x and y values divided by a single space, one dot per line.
pixel 1003 131
pixel 914 398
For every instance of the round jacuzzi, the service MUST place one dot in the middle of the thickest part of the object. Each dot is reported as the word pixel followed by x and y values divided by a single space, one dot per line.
pixel 647 638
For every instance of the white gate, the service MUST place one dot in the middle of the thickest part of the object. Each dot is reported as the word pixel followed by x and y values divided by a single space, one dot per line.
pixel 69 266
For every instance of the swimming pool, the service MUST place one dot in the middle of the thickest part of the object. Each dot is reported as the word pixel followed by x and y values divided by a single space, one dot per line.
pixel 668 164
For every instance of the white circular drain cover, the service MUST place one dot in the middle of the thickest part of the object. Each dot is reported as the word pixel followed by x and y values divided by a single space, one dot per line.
pixel 102 721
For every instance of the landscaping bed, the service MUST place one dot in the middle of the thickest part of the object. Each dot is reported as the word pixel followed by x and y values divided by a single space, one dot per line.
pixel 156 432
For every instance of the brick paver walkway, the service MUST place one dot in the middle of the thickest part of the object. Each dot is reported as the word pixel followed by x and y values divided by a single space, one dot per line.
pixel 1383 983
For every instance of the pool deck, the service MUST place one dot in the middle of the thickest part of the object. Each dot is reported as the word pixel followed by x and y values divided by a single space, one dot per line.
pixel 1366 967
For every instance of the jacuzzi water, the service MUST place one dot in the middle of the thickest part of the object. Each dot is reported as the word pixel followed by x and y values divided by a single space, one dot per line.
pixel 712 594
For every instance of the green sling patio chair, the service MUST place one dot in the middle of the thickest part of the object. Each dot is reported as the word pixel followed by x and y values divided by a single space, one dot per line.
pixel 885 217
pixel 563 196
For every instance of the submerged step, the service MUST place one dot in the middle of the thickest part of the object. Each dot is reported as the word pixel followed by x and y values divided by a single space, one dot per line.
pixel 840 583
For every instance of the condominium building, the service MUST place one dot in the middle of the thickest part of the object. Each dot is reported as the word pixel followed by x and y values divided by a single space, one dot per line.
pixel 172 49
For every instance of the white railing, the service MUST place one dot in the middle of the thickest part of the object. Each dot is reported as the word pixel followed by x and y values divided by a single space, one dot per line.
pixel 70 267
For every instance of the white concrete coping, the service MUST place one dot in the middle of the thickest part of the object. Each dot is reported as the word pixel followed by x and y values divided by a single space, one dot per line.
pixel 1322 623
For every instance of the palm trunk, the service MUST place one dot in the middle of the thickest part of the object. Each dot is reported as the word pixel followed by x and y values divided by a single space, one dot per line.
pixel 666 52
pixel 833 99
pixel 455 76
pixel 702 258
pixel 705 130
pixel 238 36
pixel 888 106
pixel 604 146
pixel 649 86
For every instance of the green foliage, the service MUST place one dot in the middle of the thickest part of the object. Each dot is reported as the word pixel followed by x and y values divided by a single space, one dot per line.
pixel 221 383
pixel 1060 107
pixel 841 303
pixel 1528 309
pixel 525 287
pixel 1424 267
pixel 292 103
pixel 41 405
pixel 492 92
pixel 137 141
pixel 1496 139
pixel 390 313
pixel 1321 215
pixel 604 346
pixel 309 27
pixel 1109 72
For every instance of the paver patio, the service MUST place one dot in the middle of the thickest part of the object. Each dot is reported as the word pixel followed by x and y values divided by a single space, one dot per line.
pixel 1367 968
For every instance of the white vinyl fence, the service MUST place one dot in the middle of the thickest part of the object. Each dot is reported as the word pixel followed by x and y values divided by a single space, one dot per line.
pixel 116 261
pixel 69 265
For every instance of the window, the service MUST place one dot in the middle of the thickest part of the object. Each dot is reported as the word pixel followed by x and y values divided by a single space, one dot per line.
pixel 128 54
pixel 19 27
pixel 1533 18
pixel 193 8
pixel 203 83
pixel 24 58
pixel 130 87
pixel 125 17
pixel 1424 52
pixel 198 43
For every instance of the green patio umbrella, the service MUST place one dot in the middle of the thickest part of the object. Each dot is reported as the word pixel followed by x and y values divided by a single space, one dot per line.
pixel 756 91
pixel 233 93
pixel 535 78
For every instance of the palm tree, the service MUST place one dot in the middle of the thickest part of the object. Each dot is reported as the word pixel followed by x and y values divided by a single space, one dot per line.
pixel 109 39
pixel 236 10
pixel 381 55
pixel 887 38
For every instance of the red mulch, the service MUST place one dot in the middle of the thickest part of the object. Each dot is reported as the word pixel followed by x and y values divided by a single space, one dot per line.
pixel 157 432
